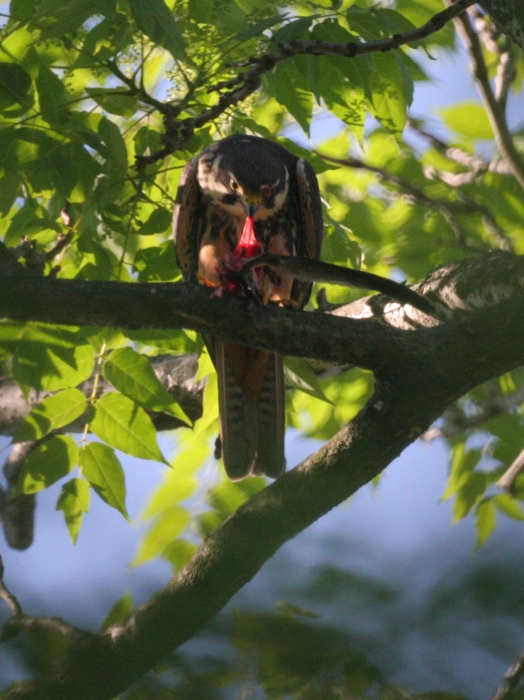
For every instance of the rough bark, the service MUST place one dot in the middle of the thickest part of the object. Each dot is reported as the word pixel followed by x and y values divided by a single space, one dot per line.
pixel 417 373
pixel 508 15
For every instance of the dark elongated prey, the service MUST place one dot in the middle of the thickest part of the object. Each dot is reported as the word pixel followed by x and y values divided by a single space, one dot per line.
pixel 309 270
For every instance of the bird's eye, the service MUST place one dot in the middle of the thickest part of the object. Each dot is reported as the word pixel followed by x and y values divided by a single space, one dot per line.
pixel 234 185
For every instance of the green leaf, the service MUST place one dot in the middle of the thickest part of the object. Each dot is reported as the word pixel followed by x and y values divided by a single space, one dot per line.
pixel 126 426
pixel 49 462
pixel 14 84
pixel 115 152
pixel 52 413
pixel 469 494
pixel 158 222
pixel 468 118
pixel 179 552
pixel 392 90
pixel 73 18
pixel 46 369
pixel 463 463
pixel 74 500
pixel 177 487
pixel 258 28
pixel 295 610
pixel 134 377
pixel 299 374
pixel 178 342
pixel 508 505
pixel 485 517
pixel 53 97
pixel 167 527
pixel 119 612
pixel 291 89
pixel 155 19
pixel 115 101
pixel 102 468
pixel 210 404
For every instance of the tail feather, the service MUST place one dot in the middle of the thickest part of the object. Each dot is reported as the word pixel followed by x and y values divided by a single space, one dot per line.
pixel 252 431
pixel 271 407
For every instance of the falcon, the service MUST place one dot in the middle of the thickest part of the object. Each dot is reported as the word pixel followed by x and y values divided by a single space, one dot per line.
pixel 241 197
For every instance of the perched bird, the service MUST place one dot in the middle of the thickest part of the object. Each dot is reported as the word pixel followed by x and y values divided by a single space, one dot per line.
pixel 241 197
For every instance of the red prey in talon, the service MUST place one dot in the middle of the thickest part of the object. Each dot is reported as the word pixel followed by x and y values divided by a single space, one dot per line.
pixel 229 270
pixel 248 246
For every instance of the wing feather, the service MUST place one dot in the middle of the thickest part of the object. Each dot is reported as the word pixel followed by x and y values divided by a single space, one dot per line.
pixel 308 242
pixel 187 228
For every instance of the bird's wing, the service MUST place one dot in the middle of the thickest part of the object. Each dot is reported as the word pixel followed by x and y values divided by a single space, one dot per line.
pixel 187 228
pixel 309 226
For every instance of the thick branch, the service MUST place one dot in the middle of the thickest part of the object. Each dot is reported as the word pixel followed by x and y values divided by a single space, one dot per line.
pixel 408 399
pixel 509 17
pixel 418 375
pixel 27 298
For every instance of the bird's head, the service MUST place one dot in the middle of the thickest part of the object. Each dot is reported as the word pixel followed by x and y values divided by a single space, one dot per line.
pixel 245 178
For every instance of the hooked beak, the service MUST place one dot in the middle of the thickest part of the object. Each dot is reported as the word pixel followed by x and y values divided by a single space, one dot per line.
pixel 251 204
pixel 250 209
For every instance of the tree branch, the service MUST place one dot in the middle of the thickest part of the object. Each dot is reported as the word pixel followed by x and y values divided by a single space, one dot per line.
pixel 244 84
pixel 512 678
pixel 508 479
pixel 494 108
pixel 424 371
pixel 448 210
pixel 407 399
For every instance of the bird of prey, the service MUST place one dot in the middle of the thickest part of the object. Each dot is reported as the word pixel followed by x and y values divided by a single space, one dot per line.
pixel 241 197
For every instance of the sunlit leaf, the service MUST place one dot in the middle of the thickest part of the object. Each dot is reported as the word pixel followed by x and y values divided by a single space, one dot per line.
pixel 463 463
pixel 155 20
pixel 53 97
pixel 49 462
pixel 122 609
pixel 52 413
pixel 299 374
pixel 175 488
pixel 133 375
pixel 51 368
pixel 167 527
pixel 102 468
pixel 158 222
pixel 123 424
pixel 469 494
pixel 178 553
pixel 210 403
pixel 485 517
pixel 291 89
pixel 508 505
pixel 114 101
pixel 468 119
pixel 74 500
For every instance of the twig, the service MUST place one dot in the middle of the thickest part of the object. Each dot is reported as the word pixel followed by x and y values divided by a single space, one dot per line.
pixel 245 83
pixel 494 108
pixel 508 479
pixel 490 36
pixel 19 620
pixel 455 422
pixel 447 209
pixel 512 678
pixel 478 166
pixel 11 601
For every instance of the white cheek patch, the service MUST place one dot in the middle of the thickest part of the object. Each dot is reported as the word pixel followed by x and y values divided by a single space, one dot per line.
pixel 208 178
